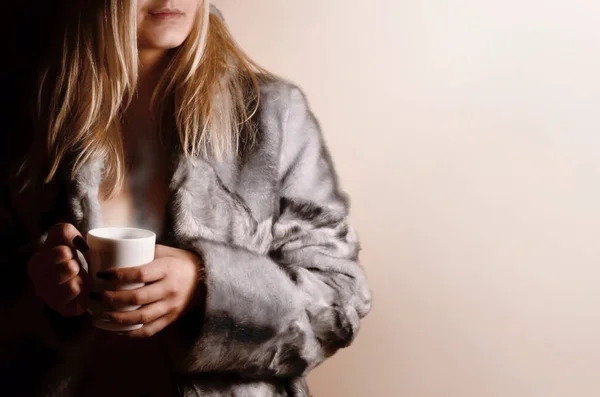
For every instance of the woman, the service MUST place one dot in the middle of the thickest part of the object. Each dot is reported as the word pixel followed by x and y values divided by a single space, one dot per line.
pixel 147 114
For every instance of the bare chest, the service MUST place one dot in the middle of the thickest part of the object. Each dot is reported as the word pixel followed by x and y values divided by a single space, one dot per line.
pixel 143 199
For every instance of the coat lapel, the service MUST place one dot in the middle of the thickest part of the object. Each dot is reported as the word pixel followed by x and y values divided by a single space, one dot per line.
pixel 206 205
pixel 82 196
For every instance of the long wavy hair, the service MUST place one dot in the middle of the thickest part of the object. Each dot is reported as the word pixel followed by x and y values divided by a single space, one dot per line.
pixel 209 91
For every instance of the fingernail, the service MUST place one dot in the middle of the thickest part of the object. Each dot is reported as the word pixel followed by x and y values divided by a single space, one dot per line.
pixel 105 275
pixel 105 318
pixel 96 296
pixel 81 244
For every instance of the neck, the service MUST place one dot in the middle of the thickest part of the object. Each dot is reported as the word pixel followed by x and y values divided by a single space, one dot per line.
pixel 151 67
pixel 152 63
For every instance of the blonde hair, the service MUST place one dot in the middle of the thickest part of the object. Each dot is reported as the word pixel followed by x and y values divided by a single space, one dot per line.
pixel 212 86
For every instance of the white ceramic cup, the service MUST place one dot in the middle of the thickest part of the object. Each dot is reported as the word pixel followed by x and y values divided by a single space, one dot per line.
pixel 116 247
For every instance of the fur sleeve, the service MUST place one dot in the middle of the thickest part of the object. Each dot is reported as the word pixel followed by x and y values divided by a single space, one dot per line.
pixel 35 342
pixel 281 314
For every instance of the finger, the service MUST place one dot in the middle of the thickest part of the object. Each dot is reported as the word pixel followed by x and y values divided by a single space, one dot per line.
pixel 144 315
pixel 58 254
pixel 72 288
pixel 141 296
pixel 53 267
pixel 154 271
pixel 66 271
pixel 162 251
pixel 39 265
pixel 65 234
pixel 151 328
pixel 66 292
pixel 76 307
pixel 58 274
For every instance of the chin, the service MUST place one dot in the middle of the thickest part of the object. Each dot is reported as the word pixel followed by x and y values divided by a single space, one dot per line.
pixel 162 40
pixel 161 44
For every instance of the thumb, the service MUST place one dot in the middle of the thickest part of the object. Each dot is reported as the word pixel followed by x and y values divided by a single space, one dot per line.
pixel 162 251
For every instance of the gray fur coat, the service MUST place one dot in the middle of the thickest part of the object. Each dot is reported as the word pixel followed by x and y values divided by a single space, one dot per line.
pixel 284 289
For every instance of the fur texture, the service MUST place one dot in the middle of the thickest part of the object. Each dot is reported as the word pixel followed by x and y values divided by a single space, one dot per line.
pixel 284 289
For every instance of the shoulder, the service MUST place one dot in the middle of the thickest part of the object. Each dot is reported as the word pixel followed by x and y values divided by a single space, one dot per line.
pixel 286 118
pixel 284 110
pixel 281 97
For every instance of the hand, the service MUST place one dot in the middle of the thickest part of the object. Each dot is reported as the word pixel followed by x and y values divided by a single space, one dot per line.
pixel 56 273
pixel 172 279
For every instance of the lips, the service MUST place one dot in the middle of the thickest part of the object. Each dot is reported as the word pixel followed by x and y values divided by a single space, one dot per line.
pixel 166 14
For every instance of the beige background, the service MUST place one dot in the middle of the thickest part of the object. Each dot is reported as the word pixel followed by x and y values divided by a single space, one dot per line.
pixel 468 135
